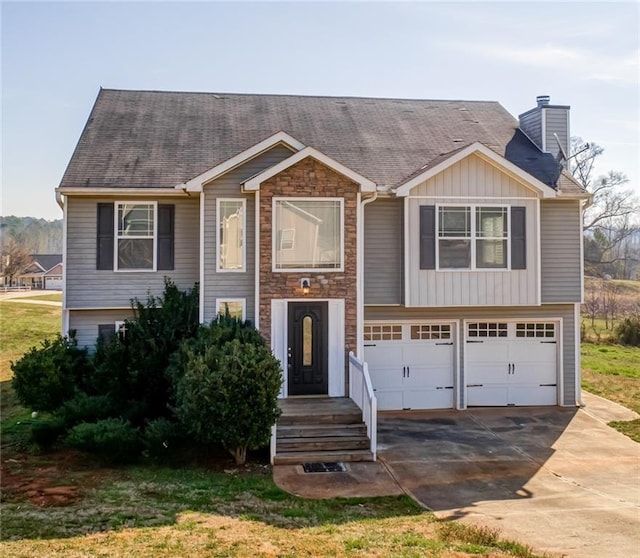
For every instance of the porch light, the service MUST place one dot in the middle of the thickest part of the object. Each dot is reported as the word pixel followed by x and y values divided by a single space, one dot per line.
pixel 305 284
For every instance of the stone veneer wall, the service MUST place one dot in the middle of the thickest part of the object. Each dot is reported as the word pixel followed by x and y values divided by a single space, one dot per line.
pixel 313 179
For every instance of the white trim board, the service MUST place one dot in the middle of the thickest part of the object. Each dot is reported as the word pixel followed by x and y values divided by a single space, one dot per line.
pixel 279 138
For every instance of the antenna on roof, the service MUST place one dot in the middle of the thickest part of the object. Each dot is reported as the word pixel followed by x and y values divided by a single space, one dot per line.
pixel 562 154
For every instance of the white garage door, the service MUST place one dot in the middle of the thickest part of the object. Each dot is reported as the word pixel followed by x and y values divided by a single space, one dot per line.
pixel 411 365
pixel 511 363
pixel 53 283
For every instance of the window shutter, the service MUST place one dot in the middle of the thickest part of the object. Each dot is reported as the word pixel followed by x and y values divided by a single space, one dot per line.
pixel 166 218
pixel 427 237
pixel 106 332
pixel 104 248
pixel 518 238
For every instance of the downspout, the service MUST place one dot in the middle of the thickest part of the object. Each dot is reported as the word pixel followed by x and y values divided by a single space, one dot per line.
pixel 360 289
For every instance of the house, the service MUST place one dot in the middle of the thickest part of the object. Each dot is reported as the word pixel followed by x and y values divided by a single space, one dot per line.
pixel 44 272
pixel 438 241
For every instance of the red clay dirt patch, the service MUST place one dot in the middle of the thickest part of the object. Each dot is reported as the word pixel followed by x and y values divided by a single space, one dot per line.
pixel 59 479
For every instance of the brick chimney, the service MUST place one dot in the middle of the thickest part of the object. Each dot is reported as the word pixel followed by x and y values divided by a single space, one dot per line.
pixel 546 122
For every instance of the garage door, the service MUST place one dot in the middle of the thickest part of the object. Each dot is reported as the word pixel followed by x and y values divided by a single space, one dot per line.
pixel 511 363
pixel 53 283
pixel 411 365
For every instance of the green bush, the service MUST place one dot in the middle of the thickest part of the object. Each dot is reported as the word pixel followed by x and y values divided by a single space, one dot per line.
pixel 163 438
pixel 45 377
pixel 112 440
pixel 227 393
pixel 131 369
pixel 85 408
pixel 628 331
pixel 46 432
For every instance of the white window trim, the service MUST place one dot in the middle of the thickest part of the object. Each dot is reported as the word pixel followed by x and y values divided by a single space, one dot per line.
pixel 221 301
pixel 116 237
pixel 274 235
pixel 242 269
pixel 473 238
pixel 120 327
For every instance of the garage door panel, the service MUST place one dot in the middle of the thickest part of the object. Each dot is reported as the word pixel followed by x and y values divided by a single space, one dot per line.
pixel 384 355
pixel 488 351
pixel 384 378
pixel 429 399
pixel 389 400
pixel 533 394
pixel 431 353
pixel 533 373
pixel 486 396
pixel 430 376
pixel 486 373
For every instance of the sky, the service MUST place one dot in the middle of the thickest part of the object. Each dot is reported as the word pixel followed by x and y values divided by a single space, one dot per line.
pixel 57 55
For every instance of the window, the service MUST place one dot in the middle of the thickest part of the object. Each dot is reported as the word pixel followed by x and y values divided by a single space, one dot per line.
pixel 308 234
pixel 546 330
pixel 135 236
pixel 430 332
pixel 472 237
pixel 235 307
pixel 231 227
pixel 390 332
pixel 488 329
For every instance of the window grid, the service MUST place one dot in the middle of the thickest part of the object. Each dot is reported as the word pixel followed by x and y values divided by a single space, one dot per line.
pixel 473 237
pixel 538 330
pixel 430 331
pixel 135 236
pixel 487 329
pixel 383 332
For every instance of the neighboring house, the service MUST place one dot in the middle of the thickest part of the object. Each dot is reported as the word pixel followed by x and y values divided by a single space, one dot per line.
pixel 440 241
pixel 44 272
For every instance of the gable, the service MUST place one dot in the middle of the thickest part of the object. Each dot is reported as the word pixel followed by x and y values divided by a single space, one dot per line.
pixel 309 153
pixel 474 170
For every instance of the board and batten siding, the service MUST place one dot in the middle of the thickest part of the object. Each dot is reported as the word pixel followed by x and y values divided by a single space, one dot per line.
pixel 86 323
pixel 225 285
pixel 472 181
pixel 384 251
pixel 560 238
pixel 87 287
pixel 544 312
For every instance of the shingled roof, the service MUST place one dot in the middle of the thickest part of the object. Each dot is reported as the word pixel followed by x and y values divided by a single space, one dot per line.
pixel 153 139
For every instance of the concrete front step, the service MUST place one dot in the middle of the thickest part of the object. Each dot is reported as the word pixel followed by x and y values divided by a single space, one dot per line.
pixel 299 457
pixel 317 431
pixel 324 443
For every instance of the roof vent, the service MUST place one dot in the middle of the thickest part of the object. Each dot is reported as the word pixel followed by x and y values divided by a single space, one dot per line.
pixel 543 100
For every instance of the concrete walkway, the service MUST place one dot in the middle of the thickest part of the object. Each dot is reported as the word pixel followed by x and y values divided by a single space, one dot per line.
pixel 29 297
pixel 559 480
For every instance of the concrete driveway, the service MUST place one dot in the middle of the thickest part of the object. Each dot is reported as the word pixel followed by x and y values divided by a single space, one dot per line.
pixel 559 480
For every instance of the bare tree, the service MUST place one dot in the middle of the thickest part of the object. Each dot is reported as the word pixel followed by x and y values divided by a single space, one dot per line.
pixel 610 302
pixel 613 215
pixel 592 304
pixel 14 259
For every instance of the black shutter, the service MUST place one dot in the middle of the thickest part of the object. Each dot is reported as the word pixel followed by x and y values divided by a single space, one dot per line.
pixel 104 248
pixel 518 238
pixel 427 237
pixel 166 218
pixel 106 332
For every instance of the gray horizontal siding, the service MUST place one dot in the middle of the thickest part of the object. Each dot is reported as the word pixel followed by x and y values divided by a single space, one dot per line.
pixel 232 284
pixel 556 122
pixel 86 322
pixel 383 251
pixel 531 124
pixel 87 287
pixel 547 311
pixel 560 239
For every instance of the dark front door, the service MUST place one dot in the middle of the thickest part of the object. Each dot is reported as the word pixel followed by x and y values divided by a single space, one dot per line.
pixel 308 348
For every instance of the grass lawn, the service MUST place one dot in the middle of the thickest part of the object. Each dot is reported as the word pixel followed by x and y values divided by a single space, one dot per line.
pixel 63 504
pixel 613 372
pixel 53 297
